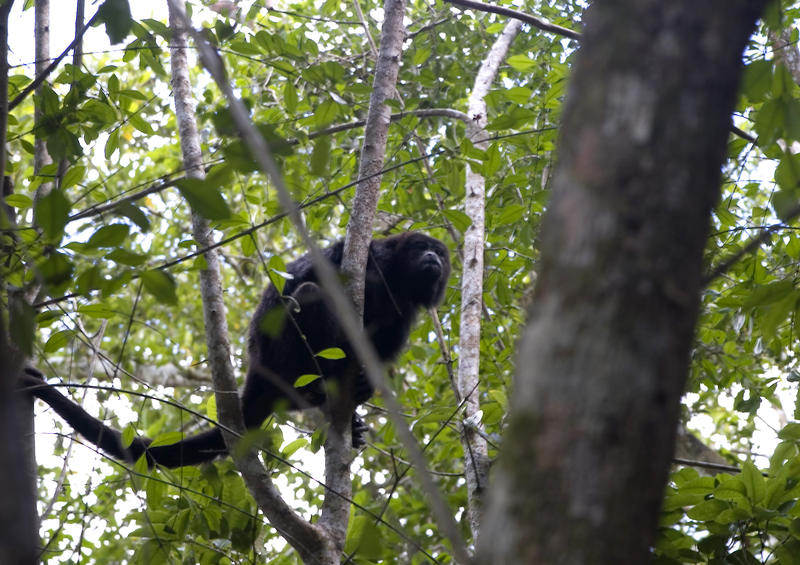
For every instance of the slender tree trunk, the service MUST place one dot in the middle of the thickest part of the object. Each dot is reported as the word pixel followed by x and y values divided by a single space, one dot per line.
pixel 373 150
pixel 335 514
pixel 602 364
pixel 310 541
pixel 41 35
pixel 476 451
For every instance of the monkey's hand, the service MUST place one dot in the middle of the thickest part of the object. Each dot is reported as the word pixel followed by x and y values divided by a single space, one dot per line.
pixel 30 377
pixel 359 430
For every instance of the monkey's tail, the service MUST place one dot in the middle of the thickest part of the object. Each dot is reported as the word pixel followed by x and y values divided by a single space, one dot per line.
pixel 193 450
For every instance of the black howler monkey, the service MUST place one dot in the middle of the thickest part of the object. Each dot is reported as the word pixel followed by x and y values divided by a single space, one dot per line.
pixel 405 272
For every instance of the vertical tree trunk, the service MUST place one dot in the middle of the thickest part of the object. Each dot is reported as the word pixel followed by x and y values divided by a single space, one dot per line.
pixel 18 520
pixel 476 451
pixel 41 34
pixel 335 514
pixel 602 364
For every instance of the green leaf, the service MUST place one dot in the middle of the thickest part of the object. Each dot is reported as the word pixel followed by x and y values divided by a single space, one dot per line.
pixel 128 435
pixel 116 14
pixel 97 311
pixel 364 539
pixel 290 97
pixel 326 113
pixel 769 293
pixel 290 448
pixel 707 510
pixel 63 144
pixel 784 202
pixel 521 63
pixel 518 94
pixel 277 273
pixel 51 213
pixel 108 236
pixel 140 124
pixel 769 119
pixel 73 176
pixel 753 482
pixel 273 321
pixel 320 156
pixel 792 117
pixel 458 218
pixel 331 353
pixel 204 198
pixel 782 81
pixel 156 491
pixel 757 80
pixel 499 396
pixel 211 407
pixel 732 489
pixel 112 144
pixel 421 55
pixel 57 341
pixel 125 257
pixel 167 438
pixel 511 214
pixel 304 380
pixel 134 214
pixel 56 269
pixel 161 285
pixel 19 201
pixel 790 432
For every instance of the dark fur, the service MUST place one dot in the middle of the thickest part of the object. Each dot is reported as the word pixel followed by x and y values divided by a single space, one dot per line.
pixel 405 272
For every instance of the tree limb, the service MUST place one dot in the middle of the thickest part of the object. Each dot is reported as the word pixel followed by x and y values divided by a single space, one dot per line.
pixel 539 23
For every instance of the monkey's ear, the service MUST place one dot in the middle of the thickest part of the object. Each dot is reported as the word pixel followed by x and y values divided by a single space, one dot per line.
pixel 307 293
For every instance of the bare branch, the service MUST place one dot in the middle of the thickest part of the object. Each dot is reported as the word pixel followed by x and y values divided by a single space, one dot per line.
pixel 539 23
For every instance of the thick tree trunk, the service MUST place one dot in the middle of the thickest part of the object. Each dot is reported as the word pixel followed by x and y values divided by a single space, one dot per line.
pixel 18 519
pixel 603 362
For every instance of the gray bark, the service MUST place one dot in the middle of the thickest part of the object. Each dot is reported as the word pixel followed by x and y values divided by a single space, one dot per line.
pixel 309 540
pixel 373 150
pixel 603 361
pixel 41 35
pixel 476 451
pixel 336 510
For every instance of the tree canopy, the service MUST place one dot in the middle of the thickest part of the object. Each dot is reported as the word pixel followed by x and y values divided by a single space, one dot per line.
pixel 98 239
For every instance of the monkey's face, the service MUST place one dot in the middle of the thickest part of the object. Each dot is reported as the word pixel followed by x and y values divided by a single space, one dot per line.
pixel 426 265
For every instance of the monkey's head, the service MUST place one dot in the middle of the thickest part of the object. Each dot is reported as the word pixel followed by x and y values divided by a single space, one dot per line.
pixel 421 265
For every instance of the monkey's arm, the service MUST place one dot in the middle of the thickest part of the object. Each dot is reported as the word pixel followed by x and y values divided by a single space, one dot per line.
pixel 190 451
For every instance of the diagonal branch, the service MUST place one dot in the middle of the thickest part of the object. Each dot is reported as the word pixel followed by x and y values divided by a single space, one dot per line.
pixel 305 537
pixel 39 79
pixel 539 23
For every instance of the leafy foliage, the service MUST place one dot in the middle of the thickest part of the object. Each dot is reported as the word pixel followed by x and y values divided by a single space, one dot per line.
pixel 110 254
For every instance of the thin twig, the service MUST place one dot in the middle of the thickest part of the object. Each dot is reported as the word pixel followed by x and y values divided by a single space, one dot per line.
pixel 751 246
pixel 51 67
pixel 706 465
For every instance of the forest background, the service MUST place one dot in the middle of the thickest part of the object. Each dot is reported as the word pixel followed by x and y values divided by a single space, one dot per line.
pixel 101 286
